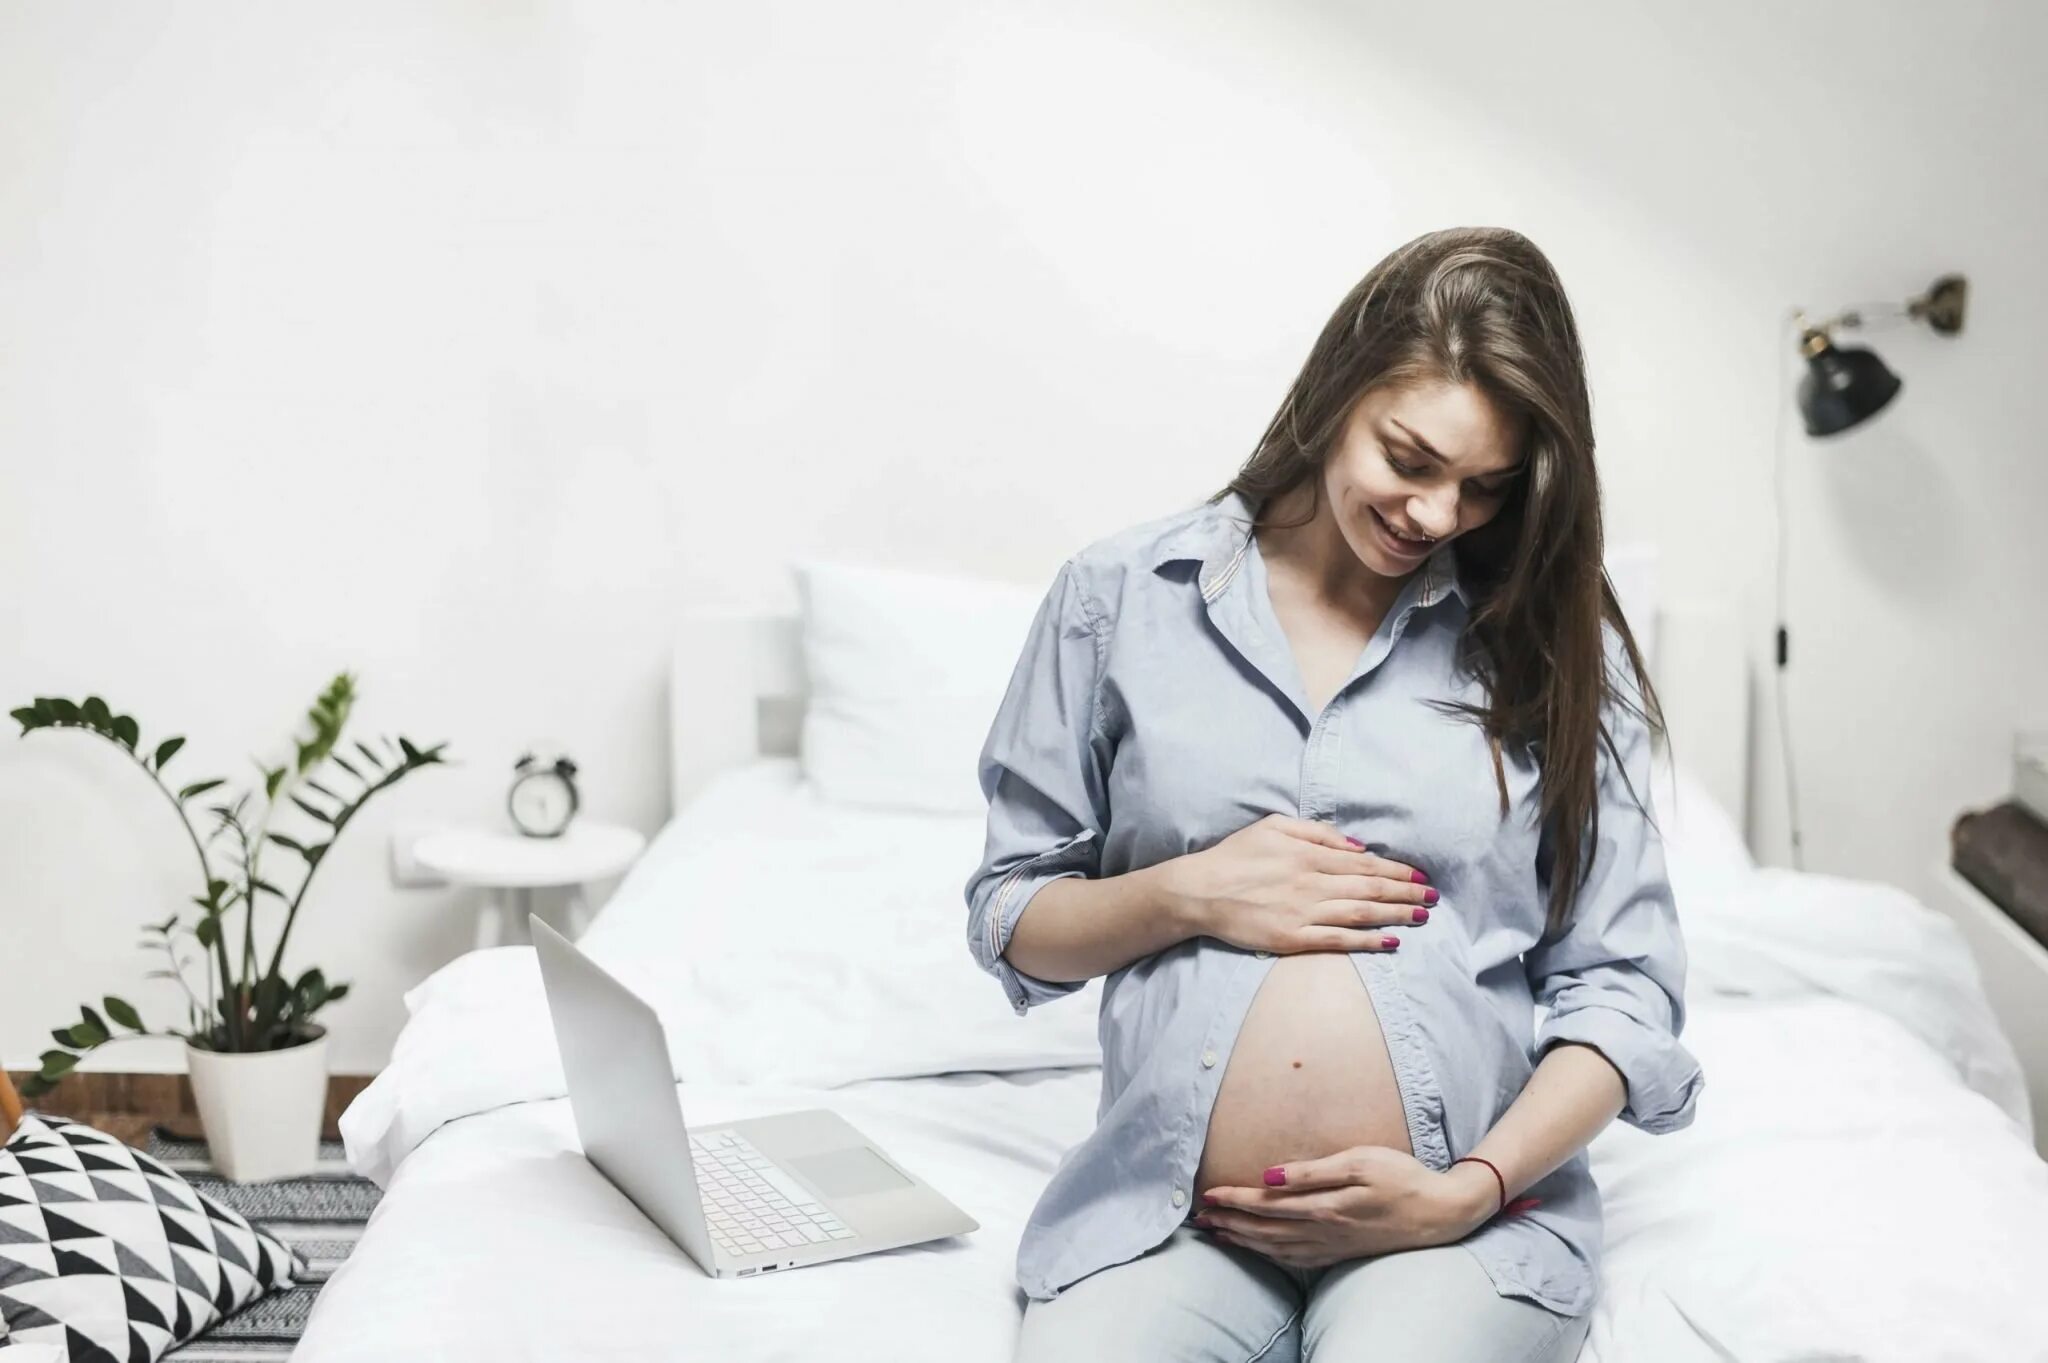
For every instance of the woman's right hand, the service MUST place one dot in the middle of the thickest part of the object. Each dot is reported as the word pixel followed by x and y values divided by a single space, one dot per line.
pixel 1289 885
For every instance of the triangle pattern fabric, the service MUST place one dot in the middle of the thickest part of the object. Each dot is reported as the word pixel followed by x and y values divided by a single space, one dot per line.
pixel 107 1256
pixel 170 1190
pixel 110 1191
pixel 62 1188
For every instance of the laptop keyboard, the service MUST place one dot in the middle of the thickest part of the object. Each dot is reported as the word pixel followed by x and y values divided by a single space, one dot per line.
pixel 752 1206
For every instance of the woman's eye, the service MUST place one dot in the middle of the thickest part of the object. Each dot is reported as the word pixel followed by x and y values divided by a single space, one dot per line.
pixel 1405 470
pixel 1488 493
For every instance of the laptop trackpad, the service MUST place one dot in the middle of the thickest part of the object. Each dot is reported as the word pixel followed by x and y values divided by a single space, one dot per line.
pixel 848 1173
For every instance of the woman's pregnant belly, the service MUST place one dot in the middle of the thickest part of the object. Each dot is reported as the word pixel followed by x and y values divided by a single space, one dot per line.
pixel 1309 1075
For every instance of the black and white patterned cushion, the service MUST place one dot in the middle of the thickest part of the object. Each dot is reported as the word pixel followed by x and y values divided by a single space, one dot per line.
pixel 106 1256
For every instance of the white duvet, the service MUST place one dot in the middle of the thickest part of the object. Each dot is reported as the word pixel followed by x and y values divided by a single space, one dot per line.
pixel 1859 1182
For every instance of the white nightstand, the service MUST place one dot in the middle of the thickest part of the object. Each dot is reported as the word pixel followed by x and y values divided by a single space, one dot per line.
pixel 509 866
pixel 2015 971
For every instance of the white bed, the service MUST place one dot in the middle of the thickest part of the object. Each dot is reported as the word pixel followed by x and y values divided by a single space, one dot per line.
pixel 1859 1182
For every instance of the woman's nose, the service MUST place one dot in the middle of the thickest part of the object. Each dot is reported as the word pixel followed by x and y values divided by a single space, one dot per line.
pixel 1435 517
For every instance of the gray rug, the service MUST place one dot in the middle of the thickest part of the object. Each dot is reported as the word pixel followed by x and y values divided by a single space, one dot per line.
pixel 320 1215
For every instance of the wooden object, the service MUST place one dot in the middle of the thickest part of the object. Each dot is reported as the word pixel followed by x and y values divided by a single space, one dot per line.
pixel 2003 851
pixel 127 1105
pixel 10 1106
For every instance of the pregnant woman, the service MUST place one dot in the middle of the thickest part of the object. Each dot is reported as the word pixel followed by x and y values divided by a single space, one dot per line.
pixel 1334 777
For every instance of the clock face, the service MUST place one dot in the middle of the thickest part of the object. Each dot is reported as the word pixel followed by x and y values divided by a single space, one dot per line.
pixel 542 804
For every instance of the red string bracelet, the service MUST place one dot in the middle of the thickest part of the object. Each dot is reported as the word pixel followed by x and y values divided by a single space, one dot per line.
pixel 1475 1159
pixel 1515 1208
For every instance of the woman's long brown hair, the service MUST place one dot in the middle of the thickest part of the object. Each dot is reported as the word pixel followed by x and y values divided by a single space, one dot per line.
pixel 1483 306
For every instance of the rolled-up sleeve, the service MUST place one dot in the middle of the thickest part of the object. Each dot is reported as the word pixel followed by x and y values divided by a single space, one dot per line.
pixel 1615 980
pixel 1044 771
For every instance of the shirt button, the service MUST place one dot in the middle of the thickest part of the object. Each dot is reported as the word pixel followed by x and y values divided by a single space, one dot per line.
pixel 1208 1060
pixel 1262 955
pixel 1180 1198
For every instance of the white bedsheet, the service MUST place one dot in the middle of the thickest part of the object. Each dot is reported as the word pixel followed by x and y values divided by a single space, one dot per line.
pixel 1859 1182
pixel 1840 1195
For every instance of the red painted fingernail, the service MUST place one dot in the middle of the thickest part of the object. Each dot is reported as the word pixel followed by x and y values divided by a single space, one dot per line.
pixel 1419 878
pixel 1389 940
pixel 1275 1176
pixel 1354 842
pixel 1422 915
pixel 1430 896
pixel 1208 1200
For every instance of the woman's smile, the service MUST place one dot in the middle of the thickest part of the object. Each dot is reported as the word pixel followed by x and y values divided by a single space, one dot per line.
pixel 1396 544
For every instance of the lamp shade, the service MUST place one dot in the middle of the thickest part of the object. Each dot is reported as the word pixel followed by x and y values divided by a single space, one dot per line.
pixel 1843 385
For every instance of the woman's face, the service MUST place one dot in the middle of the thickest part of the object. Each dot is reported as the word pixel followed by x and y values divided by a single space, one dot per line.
pixel 1416 467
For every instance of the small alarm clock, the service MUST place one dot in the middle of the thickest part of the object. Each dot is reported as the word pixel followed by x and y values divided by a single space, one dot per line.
pixel 543 798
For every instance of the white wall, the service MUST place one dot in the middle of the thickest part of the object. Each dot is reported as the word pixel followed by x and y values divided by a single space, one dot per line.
pixel 460 344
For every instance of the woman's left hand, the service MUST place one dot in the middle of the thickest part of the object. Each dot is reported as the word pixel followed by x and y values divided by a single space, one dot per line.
pixel 1370 1199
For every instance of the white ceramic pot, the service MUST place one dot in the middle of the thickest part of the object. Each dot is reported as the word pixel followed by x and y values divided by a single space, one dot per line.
pixel 261 1110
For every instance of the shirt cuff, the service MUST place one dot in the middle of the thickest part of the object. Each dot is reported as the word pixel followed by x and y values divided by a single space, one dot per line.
pixel 1662 1077
pixel 1013 894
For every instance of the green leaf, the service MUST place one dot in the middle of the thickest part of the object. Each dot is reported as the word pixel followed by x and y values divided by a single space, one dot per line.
pixel 126 730
pixel 96 1020
pixel 343 763
pixel 87 1035
pixel 270 996
pixel 272 779
pixel 322 815
pixel 96 714
pixel 208 931
pixel 373 759
pixel 62 1036
pixel 405 746
pixel 315 785
pixel 166 750
pixel 29 717
pixel 199 788
pixel 61 709
pixel 269 888
pixel 120 1011
pixel 337 992
pixel 57 1063
pixel 293 843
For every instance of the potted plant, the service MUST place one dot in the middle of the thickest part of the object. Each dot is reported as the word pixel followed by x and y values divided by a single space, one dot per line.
pixel 257 1060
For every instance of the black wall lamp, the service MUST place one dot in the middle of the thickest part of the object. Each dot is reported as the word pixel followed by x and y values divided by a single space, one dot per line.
pixel 1847 385
pixel 1843 387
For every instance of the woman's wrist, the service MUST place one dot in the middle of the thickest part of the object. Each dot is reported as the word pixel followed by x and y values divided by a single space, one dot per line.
pixel 1173 887
pixel 1474 1196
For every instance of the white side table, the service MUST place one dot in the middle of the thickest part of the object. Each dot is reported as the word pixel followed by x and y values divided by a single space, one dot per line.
pixel 509 867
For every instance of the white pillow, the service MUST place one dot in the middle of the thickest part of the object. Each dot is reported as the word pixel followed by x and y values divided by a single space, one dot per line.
pixel 906 671
pixel 787 938
pixel 1703 849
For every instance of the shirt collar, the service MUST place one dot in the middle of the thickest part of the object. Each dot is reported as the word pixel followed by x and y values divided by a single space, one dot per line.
pixel 1219 534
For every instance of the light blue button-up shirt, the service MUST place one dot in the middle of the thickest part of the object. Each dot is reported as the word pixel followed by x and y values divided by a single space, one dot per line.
pixel 1156 709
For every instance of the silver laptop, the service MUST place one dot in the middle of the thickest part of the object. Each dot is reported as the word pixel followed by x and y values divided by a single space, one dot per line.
pixel 742 1197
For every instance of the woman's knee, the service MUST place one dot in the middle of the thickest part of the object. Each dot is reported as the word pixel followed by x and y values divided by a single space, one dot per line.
pixel 1186 1298
pixel 1432 1305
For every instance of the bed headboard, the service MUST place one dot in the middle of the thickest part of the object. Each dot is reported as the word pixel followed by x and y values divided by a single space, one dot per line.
pixel 737 686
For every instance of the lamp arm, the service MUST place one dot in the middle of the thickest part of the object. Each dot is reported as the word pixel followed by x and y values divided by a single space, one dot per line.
pixel 1941 307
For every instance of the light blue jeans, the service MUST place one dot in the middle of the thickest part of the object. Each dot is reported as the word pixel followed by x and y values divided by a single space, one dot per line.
pixel 1198 1299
